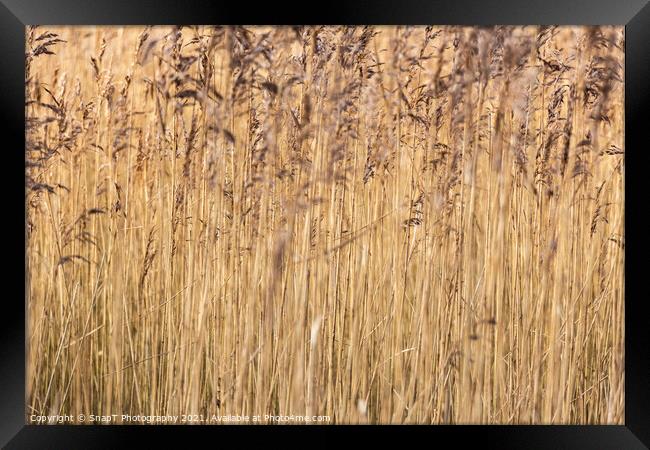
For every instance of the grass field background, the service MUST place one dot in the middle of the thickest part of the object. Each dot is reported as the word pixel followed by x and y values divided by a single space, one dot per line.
pixel 378 224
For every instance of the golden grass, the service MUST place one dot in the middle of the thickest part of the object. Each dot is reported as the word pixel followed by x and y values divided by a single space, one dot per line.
pixel 379 224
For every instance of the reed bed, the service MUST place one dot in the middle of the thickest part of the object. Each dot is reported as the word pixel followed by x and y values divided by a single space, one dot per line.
pixel 374 224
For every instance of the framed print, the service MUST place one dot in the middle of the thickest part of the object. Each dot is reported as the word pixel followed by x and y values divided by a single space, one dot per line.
pixel 389 214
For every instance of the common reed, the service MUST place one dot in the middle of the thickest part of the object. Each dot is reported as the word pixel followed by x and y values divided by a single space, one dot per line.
pixel 375 224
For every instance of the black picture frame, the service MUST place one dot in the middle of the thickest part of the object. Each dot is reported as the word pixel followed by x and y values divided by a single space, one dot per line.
pixel 634 14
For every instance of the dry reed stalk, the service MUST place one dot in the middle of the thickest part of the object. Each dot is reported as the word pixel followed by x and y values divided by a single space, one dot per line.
pixel 375 224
